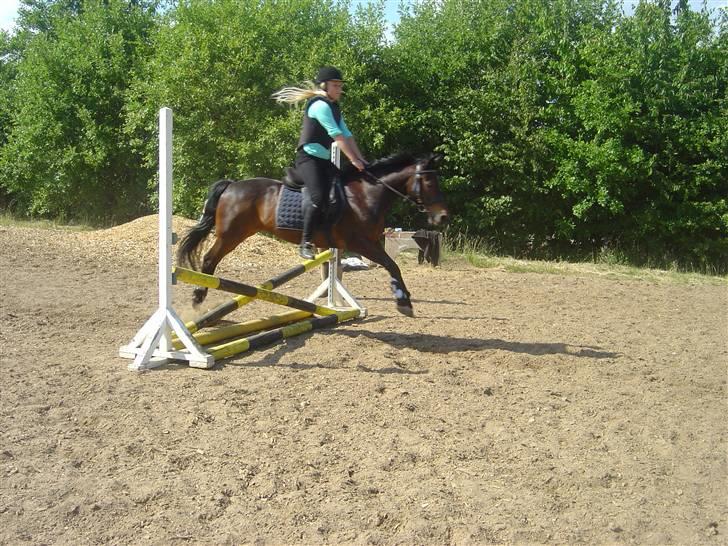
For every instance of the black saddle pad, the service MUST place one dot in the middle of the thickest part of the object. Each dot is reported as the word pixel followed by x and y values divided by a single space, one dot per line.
pixel 289 212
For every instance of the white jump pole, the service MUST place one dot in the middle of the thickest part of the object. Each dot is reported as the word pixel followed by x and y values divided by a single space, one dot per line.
pixel 335 261
pixel 152 345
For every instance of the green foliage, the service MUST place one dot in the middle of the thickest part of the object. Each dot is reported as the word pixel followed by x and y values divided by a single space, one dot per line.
pixel 7 79
pixel 569 129
pixel 217 64
pixel 644 167
pixel 65 154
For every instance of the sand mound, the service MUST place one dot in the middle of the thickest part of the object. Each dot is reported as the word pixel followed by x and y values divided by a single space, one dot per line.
pixel 137 241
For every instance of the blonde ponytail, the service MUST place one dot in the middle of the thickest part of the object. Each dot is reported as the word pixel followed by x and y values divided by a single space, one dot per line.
pixel 294 95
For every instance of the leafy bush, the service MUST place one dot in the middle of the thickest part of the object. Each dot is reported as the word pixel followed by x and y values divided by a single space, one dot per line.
pixel 217 64
pixel 569 129
pixel 65 154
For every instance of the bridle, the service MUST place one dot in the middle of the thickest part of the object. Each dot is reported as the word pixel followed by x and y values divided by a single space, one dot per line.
pixel 416 188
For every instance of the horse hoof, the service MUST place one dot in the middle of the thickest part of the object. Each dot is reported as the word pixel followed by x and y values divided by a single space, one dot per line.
pixel 197 298
pixel 406 310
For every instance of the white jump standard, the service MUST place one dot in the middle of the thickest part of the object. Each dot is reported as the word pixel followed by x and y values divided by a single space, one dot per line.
pixel 155 343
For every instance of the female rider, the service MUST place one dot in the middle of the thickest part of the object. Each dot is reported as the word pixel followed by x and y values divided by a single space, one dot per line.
pixel 323 124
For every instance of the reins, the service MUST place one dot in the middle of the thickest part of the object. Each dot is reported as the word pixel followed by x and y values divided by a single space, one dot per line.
pixel 421 207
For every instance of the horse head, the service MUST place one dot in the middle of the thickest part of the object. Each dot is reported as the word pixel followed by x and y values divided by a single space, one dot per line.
pixel 411 178
pixel 424 188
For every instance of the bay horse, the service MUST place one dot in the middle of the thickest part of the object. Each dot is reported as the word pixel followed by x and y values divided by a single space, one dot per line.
pixel 238 209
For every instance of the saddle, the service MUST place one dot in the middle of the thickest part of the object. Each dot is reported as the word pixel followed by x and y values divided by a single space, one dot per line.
pixel 289 211
pixel 292 180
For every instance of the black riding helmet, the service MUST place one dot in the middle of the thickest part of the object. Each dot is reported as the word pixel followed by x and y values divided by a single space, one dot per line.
pixel 327 73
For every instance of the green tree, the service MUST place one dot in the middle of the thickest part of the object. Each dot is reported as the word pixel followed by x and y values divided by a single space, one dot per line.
pixel 485 81
pixel 8 71
pixel 570 129
pixel 42 16
pixel 65 154
pixel 216 65
pixel 644 168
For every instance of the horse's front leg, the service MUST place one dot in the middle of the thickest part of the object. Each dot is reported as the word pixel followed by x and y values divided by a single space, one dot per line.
pixel 375 252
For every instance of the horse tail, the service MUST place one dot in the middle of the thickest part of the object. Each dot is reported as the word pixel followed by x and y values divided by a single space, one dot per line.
pixel 188 248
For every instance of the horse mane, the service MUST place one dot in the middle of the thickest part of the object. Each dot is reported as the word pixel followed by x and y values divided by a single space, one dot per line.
pixel 381 167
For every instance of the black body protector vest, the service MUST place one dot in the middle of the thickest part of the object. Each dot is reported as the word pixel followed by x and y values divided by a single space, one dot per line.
pixel 312 131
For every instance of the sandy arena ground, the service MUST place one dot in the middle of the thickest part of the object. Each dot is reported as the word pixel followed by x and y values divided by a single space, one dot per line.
pixel 515 408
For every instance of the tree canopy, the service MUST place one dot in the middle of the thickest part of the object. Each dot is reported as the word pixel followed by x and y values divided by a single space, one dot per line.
pixel 569 128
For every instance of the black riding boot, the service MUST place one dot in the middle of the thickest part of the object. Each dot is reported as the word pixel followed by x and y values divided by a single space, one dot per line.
pixel 311 217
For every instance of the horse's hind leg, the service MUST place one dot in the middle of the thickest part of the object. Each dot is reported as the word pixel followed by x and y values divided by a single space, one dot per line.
pixel 375 252
pixel 219 249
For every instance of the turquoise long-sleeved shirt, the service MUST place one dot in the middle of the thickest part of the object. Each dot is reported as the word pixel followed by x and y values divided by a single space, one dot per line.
pixel 321 112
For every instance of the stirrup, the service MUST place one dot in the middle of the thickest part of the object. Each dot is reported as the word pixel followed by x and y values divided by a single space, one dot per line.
pixel 307 251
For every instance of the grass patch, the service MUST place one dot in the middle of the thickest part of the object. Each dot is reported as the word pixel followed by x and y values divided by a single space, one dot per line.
pixel 477 254
pixel 8 220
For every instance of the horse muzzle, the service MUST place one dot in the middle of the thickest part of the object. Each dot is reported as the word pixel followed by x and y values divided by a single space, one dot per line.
pixel 438 216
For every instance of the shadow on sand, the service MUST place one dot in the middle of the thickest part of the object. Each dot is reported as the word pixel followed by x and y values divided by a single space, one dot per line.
pixel 430 343
pixel 426 343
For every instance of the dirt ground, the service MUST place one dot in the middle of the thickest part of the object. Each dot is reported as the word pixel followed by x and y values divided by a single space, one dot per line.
pixel 514 408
